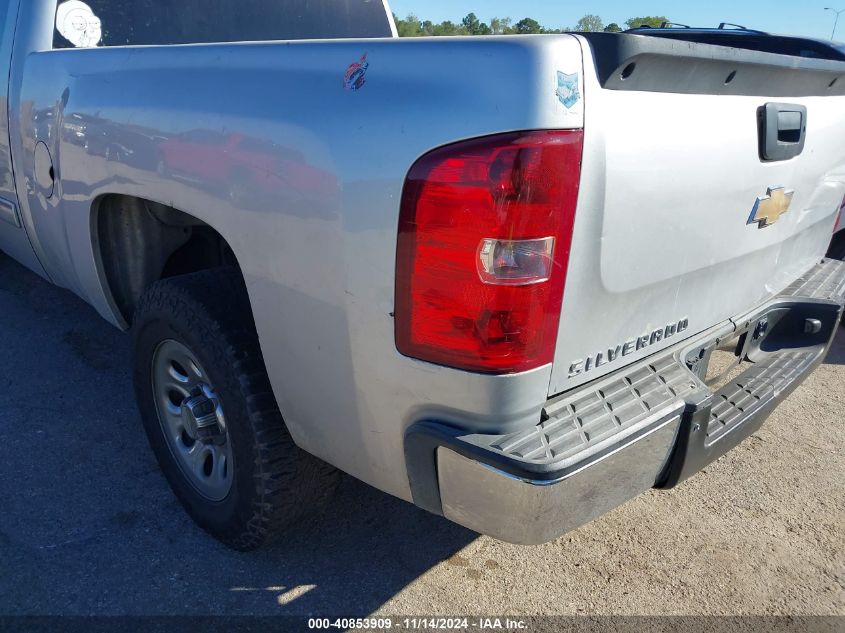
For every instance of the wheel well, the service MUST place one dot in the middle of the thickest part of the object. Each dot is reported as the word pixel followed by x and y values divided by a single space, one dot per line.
pixel 139 242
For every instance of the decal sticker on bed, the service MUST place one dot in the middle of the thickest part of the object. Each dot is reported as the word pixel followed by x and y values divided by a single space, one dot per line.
pixel 568 89
pixel 356 74
pixel 77 23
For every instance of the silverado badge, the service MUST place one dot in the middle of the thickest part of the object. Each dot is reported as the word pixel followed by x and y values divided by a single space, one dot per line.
pixel 769 209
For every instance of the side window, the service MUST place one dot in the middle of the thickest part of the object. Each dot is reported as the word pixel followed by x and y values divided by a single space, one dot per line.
pixel 90 23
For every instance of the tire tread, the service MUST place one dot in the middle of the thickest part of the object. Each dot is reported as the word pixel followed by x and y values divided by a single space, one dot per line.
pixel 288 483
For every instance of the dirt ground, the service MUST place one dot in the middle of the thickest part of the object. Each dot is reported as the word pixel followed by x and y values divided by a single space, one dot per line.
pixel 88 525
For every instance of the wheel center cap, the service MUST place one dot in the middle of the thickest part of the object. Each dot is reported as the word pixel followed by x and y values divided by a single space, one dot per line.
pixel 201 421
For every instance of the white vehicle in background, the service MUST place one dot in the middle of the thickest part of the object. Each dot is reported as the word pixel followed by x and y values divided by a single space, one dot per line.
pixel 485 275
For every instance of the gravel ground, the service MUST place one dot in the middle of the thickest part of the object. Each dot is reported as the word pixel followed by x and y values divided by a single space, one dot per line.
pixel 88 525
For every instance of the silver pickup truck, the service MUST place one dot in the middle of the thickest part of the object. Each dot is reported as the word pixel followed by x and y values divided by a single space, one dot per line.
pixel 495 277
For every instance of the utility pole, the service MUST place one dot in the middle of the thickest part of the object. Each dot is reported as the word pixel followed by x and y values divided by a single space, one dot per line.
pixel 836 21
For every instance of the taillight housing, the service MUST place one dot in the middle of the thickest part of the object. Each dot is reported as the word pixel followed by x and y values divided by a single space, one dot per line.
pixel 484 236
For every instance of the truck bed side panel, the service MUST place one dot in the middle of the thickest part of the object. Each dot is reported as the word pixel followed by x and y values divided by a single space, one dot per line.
pixel 316 235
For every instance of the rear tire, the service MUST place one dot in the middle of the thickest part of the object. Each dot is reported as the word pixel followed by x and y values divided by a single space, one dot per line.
pixel 270 482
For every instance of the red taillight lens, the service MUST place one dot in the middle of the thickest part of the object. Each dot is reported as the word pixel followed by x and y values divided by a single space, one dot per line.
pixel 484 237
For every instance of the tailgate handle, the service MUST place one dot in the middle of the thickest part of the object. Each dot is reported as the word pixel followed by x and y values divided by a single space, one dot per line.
pixel 783 129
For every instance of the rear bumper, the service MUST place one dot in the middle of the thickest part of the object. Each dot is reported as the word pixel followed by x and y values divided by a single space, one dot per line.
pixel 652 424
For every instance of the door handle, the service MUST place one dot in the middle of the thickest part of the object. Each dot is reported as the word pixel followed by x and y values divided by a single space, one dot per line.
pixel 782 130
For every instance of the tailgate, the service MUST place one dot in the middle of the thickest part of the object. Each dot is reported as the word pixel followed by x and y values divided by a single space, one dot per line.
pixel 681 224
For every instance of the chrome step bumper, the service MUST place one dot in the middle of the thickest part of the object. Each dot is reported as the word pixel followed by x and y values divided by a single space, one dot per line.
pixel 652 424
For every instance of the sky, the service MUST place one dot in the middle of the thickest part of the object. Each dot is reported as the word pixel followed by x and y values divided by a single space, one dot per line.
pixel 801 17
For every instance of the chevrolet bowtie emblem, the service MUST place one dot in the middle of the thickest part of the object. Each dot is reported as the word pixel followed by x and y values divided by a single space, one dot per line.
pixel 771 207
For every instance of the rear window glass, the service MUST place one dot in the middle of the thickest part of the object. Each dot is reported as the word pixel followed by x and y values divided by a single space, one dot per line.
pixel 89 23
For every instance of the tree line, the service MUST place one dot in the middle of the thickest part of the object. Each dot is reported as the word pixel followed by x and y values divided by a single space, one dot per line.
pixel 412 26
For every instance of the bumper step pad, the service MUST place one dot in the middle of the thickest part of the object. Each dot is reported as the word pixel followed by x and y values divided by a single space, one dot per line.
pixel 758 385
pixel 826 281
pixel 580 425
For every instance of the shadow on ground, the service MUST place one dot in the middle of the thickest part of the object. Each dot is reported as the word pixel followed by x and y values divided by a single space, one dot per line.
pixel 89 526
pixel 836 356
